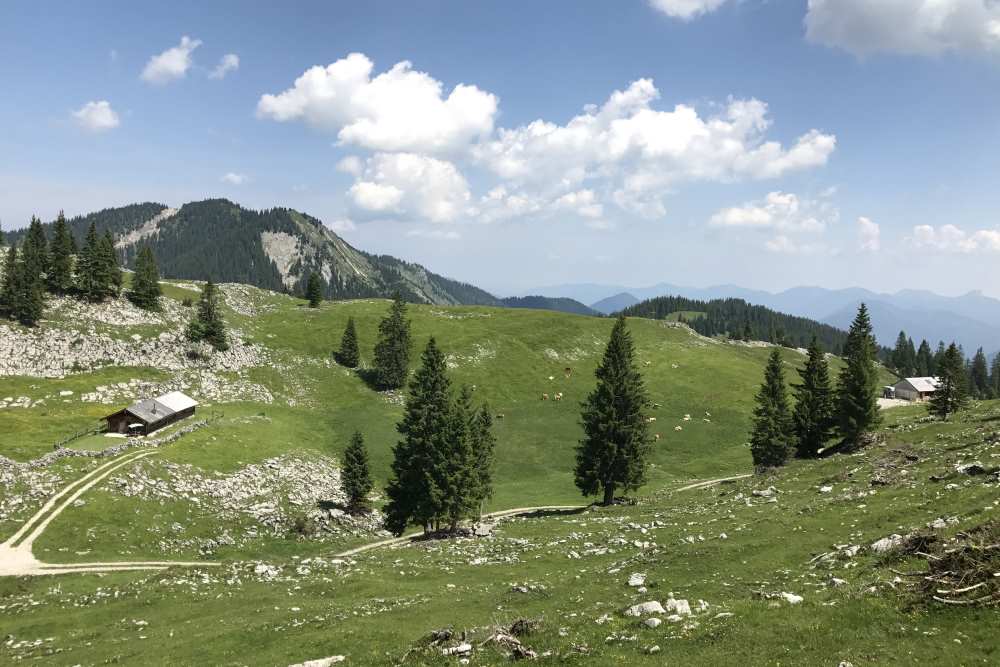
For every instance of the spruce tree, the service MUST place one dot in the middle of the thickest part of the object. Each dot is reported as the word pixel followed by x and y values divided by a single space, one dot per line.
pixel 483 449
pixel 314 290
pixel 613 454
pixel 146 292
pixel 951 394
pixel 925 360
pixel 348 355
pixel 771 438
pixel 938 357
pixel 392 352
pixel 995 377
pixel 356 478
pixel 414 491
pixel 112 269
pixel 35 252
pixel 457 463
pixel 91 277
pixel 60 276
pixel 208 324
pixel 8 289
pixel 857 405
pixel 979 375
pixel 899 356
pixel 813 415
pixel 30 299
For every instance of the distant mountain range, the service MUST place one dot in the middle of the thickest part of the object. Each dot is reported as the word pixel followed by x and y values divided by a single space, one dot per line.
pixel 973 319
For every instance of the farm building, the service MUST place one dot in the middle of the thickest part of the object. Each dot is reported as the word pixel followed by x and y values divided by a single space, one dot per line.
pixel 916 389
pixel 151 414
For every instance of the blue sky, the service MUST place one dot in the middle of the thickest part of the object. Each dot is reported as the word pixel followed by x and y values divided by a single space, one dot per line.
pixel 763 143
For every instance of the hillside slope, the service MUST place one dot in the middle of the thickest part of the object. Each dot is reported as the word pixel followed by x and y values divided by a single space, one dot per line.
pixel 558 304
pixel 275 249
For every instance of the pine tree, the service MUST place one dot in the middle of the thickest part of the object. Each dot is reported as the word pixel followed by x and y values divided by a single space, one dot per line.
pixel 112 269
pixel 348 355
pixel 30 298
pixel 392 352
pixel 314 290
pixel 35 252
pixel 813 416
pixel 925 360
pixel 457 463
pixel 899 359
pixel 747 331
pixel 60 276
pixel 414 491
pixel 771 438
pixel 614 450
pixel 857 403
pixel 208 324
pixel 91 277
pixel 146 292
pixel 356 478
pixel 951 394
pixel 979 375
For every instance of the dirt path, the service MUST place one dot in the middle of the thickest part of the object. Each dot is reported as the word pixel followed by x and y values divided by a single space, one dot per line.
pixel 16 557
pixel 393 541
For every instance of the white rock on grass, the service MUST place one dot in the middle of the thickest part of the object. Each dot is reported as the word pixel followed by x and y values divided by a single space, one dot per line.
pixel 645 609
pixel 887 543
pixel 637 579
pixel 791 598
pixel 461 649
pixel 321 662
pixel 652 622
pixel 679 607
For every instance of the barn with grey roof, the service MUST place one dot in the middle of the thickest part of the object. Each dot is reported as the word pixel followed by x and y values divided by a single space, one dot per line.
pixel 151 414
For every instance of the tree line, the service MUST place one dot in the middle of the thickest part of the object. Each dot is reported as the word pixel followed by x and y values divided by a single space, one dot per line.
pixel 40 265
pixel 848 410
pixel 982 377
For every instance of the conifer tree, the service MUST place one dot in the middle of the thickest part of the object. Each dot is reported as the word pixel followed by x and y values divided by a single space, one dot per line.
pixel 414 491
pixel 483 448
pixel 613 454
pixel 979 375
pixel 457 463
pixel 35 252
pixel 112 269
pixel 951 394
pixel 208 324
pixel 30 298
pixel 349 355
pixel 8 288
pixel 392 352
pixel 91 277
pixel 938 357
pixel 146 292
pixel 925 360
pixel 314 290
pixel 994 382
pixel 813 414
pixel 356 478
pixel 857 405
pixel 60 275
pixel 771 438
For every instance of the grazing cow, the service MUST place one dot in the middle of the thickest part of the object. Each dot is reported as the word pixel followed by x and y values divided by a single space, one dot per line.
pixel 500 415
pixel 558 396
pixel 678 428
pixel 568 371
pixel 650 419
pixel 656 435
pixel 545 397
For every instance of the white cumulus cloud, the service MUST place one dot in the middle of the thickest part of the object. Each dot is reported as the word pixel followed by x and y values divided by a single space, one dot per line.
pixel 172 64
pixel 410 186
pixel 639 152
pixel 950 238
pixel 233 178
pixel 400 110
pixel 96 116
pixel 686 10
pixel 912 27
pixel 228 63
pixel 782 211
pixel 869 235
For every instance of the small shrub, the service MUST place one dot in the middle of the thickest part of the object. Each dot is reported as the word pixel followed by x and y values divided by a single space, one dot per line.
pixel 187 302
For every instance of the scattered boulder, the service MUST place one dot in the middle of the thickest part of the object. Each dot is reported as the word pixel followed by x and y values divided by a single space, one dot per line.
pixel 645 609
pixel 887 543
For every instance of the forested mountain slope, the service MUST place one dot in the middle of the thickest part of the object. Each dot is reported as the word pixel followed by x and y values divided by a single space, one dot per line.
pixel 276 249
